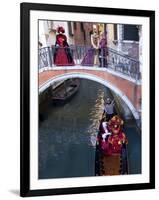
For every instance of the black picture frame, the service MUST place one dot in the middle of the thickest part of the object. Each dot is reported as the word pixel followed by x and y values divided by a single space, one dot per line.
pixel 25 9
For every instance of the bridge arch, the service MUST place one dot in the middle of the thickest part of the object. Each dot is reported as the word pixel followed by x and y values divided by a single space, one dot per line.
pixel 83 75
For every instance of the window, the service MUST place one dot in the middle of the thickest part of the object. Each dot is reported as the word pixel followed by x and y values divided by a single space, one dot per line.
pixel 130 32
pixel 82 28
pixel 115 31
pixel 75 25
pixel 70 30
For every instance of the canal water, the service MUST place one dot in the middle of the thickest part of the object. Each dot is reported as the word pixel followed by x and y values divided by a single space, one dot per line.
pixel 67 135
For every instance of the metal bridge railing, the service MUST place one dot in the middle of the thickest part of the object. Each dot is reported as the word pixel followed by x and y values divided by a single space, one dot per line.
pixel 124 64
pixel 88 56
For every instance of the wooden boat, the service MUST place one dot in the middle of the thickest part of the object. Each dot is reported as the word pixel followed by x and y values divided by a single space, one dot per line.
pixel 65 91
pixel 110 164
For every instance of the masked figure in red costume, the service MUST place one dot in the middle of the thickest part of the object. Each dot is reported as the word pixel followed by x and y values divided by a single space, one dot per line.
pixel 117 138
pixel 62 55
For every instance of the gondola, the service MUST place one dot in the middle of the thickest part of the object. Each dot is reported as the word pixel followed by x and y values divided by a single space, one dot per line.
pixel 113 163
pixel 65 91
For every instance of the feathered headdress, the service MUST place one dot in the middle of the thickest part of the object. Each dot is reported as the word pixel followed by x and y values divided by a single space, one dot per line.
pixel 60 29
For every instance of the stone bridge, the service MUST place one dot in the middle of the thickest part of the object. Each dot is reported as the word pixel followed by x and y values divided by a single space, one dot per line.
pixel 126 87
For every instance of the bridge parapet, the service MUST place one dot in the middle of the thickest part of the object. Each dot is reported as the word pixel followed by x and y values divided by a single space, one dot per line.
pixel 83 57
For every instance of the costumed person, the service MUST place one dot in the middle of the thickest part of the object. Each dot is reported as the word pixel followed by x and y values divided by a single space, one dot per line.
pixel 95 44
pixel 103 136
pixel 109 108
pixel 91 57
pixel 62 54
pixel 103 50
pixel 118 137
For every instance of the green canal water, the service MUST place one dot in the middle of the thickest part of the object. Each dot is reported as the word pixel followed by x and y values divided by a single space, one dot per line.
pixel 67 135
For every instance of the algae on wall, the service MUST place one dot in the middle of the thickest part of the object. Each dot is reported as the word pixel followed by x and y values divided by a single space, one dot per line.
pixel 125 113
pixel 121 107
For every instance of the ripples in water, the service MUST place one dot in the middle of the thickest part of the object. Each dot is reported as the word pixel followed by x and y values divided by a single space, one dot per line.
pixel 67 137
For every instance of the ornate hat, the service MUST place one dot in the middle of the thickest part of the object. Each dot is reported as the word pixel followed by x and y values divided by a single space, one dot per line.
pixel 95 28
pixel 60 29
pixel 115 124
pixel 116 120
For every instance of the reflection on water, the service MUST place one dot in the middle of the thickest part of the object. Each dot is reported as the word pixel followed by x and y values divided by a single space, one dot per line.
pixel 67 136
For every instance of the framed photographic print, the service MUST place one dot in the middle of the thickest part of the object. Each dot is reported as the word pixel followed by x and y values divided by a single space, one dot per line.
pixel 87 99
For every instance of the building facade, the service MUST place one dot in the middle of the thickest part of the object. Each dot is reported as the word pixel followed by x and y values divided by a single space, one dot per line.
pixel 125 38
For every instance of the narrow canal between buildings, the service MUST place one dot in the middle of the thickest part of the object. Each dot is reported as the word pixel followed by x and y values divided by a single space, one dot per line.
pixel 66 136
